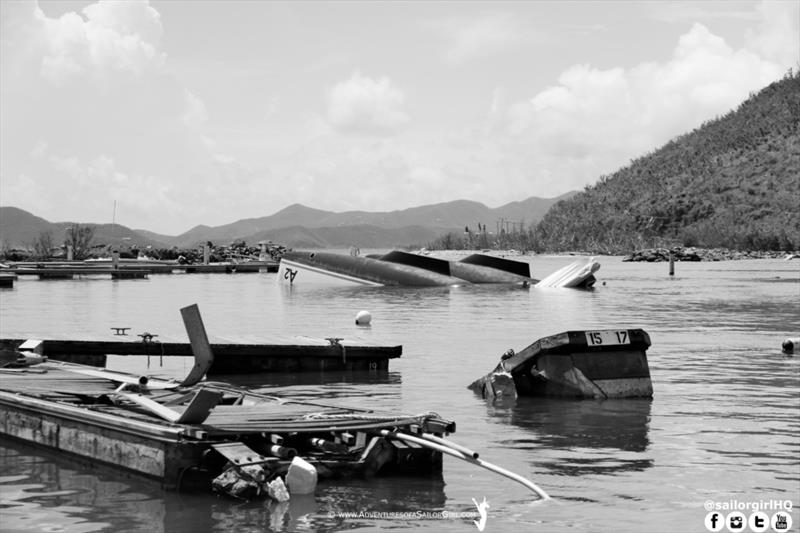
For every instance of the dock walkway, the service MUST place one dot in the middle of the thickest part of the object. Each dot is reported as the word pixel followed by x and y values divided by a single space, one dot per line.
pixel 244 355
pixel 96 420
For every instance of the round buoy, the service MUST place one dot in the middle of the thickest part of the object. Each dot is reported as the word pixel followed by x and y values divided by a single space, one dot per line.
pixel 363 318
pixel 790 344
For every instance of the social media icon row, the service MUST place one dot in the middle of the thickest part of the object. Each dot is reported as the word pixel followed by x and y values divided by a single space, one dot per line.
pixel 757 521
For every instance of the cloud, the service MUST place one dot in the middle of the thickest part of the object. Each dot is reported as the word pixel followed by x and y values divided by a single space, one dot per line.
pixel 777 37
pixel 115 37
pixel 364 105
pixel 92 109
pixel 194 112
pixel 595 120
pixel 468 38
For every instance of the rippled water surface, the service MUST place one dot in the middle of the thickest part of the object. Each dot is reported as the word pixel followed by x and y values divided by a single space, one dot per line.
pixel 724 422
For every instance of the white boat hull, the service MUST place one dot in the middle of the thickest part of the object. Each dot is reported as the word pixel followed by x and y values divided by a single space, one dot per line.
pixel 291 272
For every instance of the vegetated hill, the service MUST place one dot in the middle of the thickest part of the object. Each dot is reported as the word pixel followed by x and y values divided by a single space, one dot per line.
pixel 734 182
pixel 301 226
pixel 436 218
pixel 20 229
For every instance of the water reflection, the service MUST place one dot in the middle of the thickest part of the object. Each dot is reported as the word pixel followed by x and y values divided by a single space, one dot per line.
pixel 57 496
pixel 590 437
pixel 342 378
pixel 45 492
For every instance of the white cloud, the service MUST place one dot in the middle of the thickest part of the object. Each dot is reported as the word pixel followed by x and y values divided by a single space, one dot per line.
pixel 364 105
pixel 194 113
pixel 97 112
pixel 595 120
pixel 778 36
pixel 115 37
pixel 469 38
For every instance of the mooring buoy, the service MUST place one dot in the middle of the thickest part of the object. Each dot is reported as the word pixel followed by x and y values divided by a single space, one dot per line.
pixel 790 344
pixel 363 318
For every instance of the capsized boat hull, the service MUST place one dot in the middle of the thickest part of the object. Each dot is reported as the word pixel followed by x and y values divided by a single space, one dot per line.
pixel 340 269
pixel 467 269
pixel 579 273
pixel 398 268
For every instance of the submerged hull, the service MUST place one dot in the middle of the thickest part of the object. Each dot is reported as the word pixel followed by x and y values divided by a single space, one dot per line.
pixel 490 270
pixel 339 269
pixel 586 364
pixel 399 268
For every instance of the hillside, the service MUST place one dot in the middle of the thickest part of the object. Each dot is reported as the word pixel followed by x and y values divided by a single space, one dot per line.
pixel 437 218
pixel 733 182
pixel 299 226
pixel 19 229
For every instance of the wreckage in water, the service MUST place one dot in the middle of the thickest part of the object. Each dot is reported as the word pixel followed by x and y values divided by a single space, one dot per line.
pixel 587 364
pixel 201 435
pixel 398 268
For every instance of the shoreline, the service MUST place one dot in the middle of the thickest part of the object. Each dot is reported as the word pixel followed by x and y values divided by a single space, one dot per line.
pixel 650 255
pixel 680 253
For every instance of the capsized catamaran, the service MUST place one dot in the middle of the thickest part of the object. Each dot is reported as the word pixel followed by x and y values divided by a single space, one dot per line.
pixel 398 268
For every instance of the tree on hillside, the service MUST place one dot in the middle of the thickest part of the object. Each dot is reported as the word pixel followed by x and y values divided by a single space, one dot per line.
pixel 80 239
pixel 43 246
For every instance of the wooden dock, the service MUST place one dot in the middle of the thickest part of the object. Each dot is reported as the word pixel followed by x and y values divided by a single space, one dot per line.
pixel 133 269
pixel 257 355
pixel 195 434
pixel 7 279
pixel 98 421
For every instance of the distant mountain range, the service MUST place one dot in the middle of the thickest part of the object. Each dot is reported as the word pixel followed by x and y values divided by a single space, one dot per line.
pixel 300 226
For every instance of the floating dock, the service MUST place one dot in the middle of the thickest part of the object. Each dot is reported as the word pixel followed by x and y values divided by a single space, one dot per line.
pixel 7 279
pixel 205 435
pixel 264 356
pixel 133 269
pixel 93 419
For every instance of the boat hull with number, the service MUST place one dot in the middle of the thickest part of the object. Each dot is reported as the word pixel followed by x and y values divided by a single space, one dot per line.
pixel 587 364
pixel 339 269
pixel 398 268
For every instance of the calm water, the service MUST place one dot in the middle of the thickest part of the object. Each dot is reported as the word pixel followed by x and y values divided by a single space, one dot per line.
pixel 724 423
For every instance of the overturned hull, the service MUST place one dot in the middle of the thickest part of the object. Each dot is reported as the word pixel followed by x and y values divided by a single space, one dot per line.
pixel 399 268
pixel 579 273
pixel 327 267
pixel 584 364
pixel 492 270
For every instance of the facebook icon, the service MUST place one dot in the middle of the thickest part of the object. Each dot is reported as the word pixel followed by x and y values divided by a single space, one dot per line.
pixel 715 521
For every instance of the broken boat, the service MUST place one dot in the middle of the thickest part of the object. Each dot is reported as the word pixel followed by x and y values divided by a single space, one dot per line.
pixel 585 364
pixel 196 434
pixel 398 268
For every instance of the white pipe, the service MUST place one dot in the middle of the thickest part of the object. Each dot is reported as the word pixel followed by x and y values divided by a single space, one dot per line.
pixel 461 455
pixel 445 442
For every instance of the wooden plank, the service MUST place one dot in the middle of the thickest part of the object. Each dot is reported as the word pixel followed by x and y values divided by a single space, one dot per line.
pixel 240 454
pixel 203 355
pixel 117 377
pixel 195 413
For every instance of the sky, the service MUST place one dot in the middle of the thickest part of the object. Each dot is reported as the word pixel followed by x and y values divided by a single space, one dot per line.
pixel 162 115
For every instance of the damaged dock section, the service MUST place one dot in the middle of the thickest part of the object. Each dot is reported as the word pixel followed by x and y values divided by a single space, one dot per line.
pixel 185 438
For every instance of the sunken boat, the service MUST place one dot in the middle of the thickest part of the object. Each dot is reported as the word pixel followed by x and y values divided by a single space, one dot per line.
pixel 582 364
pixel 399 268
